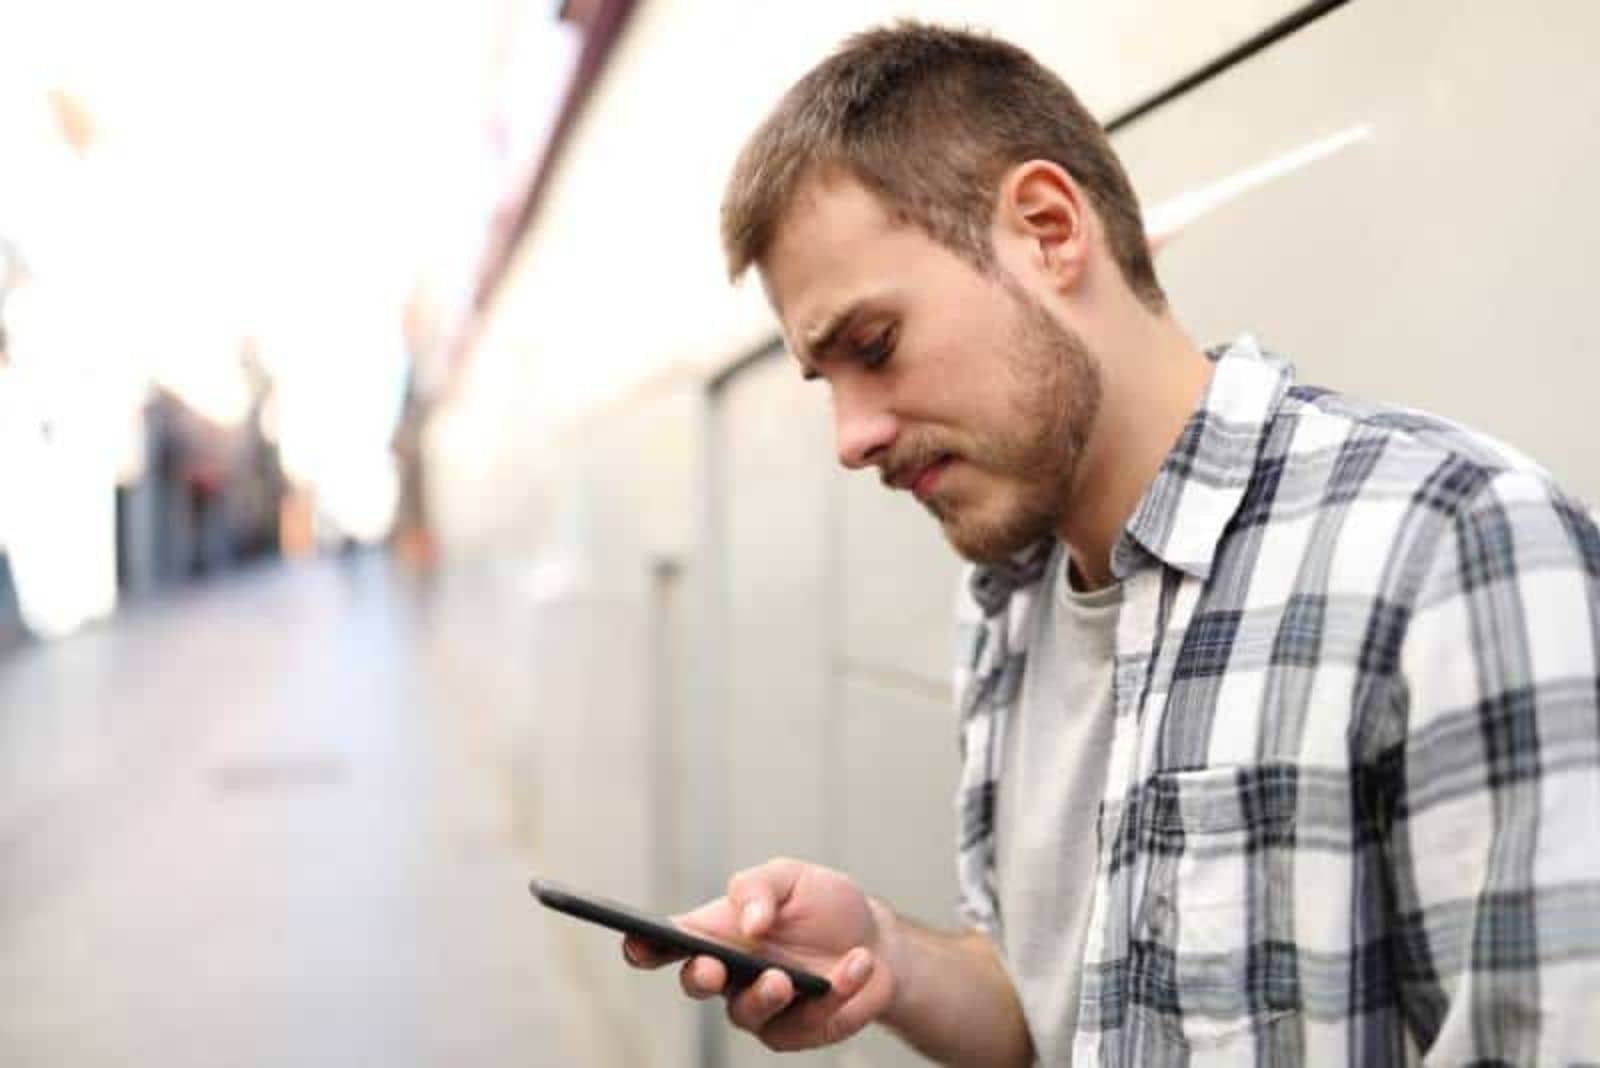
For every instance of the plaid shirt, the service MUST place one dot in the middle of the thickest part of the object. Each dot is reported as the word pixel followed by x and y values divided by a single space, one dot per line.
pixel 1352 810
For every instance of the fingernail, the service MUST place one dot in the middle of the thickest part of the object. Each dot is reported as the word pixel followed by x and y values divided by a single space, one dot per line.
pixel 859 967
pixel 752 916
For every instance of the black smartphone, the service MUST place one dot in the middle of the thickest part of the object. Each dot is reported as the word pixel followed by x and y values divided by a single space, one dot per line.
pixel 742 967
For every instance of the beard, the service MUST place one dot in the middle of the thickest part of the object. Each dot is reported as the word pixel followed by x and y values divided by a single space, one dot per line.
pixel 1055 388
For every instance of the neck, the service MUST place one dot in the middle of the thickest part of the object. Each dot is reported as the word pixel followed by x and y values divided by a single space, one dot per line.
pixel 1152 379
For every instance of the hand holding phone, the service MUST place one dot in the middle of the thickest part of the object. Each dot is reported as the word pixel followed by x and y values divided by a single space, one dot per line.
pixel 743 967
pixel 806 915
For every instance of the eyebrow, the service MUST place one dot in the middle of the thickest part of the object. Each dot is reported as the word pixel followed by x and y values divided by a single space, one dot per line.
pixel 820 340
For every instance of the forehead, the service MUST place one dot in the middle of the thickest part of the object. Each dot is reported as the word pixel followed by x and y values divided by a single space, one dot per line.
pixel 835 245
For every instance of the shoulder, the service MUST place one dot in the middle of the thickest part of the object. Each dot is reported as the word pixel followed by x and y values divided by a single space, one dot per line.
pixel 1378 505
pixel 1449 546
pixel 1399 478
pixel 1517 526
pixel 1316 423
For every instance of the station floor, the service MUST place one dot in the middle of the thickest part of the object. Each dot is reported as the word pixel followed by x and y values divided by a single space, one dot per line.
pixel 256 824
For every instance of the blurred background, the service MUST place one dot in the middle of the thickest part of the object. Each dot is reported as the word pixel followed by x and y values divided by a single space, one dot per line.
pixel 396 503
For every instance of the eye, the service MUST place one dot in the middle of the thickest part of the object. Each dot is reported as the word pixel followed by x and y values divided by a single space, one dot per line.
pixel 876 353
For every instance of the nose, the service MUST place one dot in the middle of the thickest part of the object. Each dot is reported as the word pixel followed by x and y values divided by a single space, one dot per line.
pixel 862 430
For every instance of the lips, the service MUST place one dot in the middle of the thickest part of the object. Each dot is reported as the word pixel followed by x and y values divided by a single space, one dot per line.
pixel 925 481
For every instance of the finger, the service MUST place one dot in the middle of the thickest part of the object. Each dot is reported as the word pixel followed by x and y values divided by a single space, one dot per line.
pixel 763 999
pixel 860 994
pixel 852 974
pixel 756 894
pixel 642 953
pixel 715 919
pixel 703 977
pixel 864 1000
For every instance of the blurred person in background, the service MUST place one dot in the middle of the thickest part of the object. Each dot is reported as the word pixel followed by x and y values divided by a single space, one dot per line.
pixel 1278 708
pixel 256 482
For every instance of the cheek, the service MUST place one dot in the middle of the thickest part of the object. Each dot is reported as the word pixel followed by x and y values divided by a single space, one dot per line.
pixel 970 405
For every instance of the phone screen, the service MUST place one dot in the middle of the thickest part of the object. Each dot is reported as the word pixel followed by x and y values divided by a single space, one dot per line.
pixel 743 967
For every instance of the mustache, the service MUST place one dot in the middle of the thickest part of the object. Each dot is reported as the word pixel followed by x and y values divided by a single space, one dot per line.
pixel 910 456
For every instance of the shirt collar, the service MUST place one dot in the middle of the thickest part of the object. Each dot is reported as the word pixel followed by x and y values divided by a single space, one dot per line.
pixel 1181 517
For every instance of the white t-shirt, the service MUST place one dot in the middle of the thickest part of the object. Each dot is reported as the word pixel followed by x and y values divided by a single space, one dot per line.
pixel 1053 772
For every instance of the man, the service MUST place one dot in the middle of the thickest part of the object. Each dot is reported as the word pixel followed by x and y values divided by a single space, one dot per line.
pixel 1281 718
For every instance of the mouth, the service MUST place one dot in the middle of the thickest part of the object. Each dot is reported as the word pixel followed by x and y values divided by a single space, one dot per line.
pixel 923 481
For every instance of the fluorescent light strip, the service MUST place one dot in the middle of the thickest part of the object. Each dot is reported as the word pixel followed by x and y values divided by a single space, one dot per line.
pixel 1172 216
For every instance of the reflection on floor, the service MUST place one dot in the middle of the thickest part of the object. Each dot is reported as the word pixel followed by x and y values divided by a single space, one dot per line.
pixel 259 825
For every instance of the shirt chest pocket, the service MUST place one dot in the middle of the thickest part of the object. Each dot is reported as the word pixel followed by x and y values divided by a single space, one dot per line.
pixel 1213 926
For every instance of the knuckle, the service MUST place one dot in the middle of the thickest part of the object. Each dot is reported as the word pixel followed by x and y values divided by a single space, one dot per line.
pixel 743 883
pixel 779 1043
pixel 739 1015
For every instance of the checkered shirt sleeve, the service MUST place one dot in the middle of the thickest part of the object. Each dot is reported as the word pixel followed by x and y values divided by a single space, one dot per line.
pixel 1494 836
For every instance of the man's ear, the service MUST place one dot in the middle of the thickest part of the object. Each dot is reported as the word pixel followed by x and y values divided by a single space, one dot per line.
pixel 1045 212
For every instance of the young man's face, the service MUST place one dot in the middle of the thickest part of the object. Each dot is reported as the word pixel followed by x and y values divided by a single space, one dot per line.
pixel 960 387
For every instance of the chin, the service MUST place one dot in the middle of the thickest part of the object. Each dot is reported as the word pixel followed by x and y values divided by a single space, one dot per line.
pixel 995 542
pixel 994 526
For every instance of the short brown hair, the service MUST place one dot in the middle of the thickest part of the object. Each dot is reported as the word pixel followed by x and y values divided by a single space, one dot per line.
pixel 929 119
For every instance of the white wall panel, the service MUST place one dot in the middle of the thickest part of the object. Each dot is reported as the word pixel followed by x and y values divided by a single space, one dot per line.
pixel 779 751
pixel 1444 261
pixel 899 581
pixel 775 501
pixel 901 769
pixel 840 737
pixel 599 783
pixel 899 816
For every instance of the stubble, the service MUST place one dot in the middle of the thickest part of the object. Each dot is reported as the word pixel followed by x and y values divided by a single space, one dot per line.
pixel 1055 390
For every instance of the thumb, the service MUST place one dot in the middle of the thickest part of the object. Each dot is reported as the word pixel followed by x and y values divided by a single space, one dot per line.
pixel 758 893
pixel 717 918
